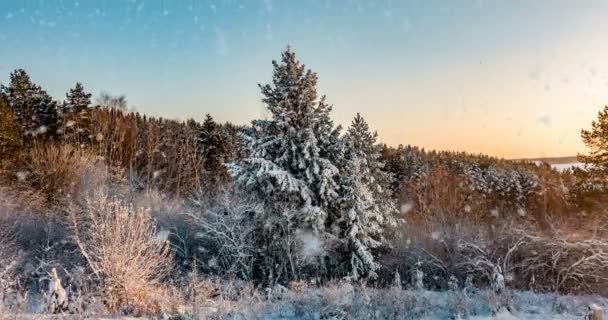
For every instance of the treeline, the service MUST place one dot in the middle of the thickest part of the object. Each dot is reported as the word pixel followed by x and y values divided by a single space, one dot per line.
pixel 177 157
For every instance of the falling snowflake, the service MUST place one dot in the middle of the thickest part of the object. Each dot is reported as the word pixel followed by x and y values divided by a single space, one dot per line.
pixel 41 130
pixel 406 207
pixel 22 175
pixel 162 235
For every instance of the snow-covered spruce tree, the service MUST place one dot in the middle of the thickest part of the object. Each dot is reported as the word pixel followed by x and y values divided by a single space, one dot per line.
pixel 34 109
pixel 367 198
pixel 76 116
pixel 211 149
pixel 288 166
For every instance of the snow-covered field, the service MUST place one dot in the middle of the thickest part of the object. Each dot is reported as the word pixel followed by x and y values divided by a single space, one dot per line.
pixel 424 305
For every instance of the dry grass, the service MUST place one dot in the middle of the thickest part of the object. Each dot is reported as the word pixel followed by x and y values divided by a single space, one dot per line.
pixel 62 171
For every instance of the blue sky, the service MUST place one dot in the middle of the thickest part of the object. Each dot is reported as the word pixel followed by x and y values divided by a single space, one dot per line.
pixel 508 78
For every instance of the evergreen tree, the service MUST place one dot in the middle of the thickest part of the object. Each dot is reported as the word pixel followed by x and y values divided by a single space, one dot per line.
pixel 212 151
pixel 285 166
pixel 393 159
pixel 367 202
pixel 34 109
pixel 77 99
pixel 596 140
pixel 76 116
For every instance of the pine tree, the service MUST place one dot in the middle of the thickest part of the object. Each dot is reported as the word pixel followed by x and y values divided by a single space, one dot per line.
pixel 284 161
pixel 76 116
pixel 596 140
pixel 285 166
pixel 211 148
pixel 34 109
pixel 77 99
pixel 367 202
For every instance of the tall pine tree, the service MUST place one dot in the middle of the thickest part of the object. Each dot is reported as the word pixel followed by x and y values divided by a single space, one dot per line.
pixel 77 99
pixel 76 116
pixel 286 167
pixel 211 148
pixel 367 200
pixel 596 140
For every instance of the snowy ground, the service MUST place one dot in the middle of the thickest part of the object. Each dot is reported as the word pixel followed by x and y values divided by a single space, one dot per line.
pixel 564 166
pixel 351 303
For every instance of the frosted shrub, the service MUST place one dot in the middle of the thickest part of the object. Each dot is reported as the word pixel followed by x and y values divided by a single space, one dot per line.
pixel 418 277
pixel 498 280
pixel 397 281
pixel 453 283
pixel 119 244
pixel 58 298
pixel 226 232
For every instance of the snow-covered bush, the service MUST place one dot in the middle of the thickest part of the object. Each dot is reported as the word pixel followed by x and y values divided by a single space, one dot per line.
pixel 565 262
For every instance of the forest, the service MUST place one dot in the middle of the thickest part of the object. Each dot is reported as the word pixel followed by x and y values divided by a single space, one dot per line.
pixel 107 211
